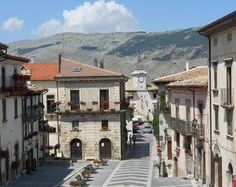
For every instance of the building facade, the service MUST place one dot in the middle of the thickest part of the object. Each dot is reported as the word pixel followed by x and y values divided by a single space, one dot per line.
pixel 222 54
pixel 14 112
pixel 188 123
pixel 88 110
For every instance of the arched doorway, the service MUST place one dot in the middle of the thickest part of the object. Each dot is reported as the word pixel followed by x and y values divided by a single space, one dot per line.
pixel 76 149
pixel 105 148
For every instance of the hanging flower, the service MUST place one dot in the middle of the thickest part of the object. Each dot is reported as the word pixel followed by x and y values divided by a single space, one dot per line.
pixel 57 146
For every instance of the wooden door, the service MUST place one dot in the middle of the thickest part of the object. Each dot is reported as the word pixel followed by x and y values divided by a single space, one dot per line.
pixel 105 149
pixel 169 148
pixel 76 149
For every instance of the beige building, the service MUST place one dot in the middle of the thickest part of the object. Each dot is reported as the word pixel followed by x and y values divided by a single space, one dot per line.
pixel 15 148
pixel 222 67
pixel 88 110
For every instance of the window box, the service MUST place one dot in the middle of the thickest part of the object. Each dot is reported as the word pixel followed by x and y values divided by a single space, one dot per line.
pixel 82 103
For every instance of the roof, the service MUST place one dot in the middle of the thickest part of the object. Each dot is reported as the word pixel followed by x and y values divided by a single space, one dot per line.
pixel 49 70
pixel 83 70
pixel 42 71
pixel 185 75
pixel 201 81
pixel 17 57
pixel 129 86
pixel 223 23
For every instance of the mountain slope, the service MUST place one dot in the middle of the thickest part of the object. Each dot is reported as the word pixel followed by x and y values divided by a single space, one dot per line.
pixel 162 53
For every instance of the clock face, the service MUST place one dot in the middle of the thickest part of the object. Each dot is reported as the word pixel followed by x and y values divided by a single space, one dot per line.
pixel 141 79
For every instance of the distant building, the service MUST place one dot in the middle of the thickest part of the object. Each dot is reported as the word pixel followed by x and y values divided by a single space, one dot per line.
pixel 87 106
pixel 188 125
pixel 222 67
pixel 143 96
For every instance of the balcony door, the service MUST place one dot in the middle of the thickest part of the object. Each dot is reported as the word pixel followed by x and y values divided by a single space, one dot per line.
pixel 75 99
pixel 229 85
pixel 104 99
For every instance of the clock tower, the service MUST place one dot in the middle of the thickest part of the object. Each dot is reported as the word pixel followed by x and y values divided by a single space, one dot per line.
pixel 139 76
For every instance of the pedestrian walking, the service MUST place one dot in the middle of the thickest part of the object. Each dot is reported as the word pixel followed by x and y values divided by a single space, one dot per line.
pixel 130 139
pixel 134 139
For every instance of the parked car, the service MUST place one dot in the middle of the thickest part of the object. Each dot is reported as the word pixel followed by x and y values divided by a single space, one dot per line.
pixel 147 129
pixel 135 129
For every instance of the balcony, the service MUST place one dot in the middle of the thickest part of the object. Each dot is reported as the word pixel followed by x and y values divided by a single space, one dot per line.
pixel 226 98
pixel 32 112
pixel 13 86
pixel 46 128
pixel 90 107
pixel 181 126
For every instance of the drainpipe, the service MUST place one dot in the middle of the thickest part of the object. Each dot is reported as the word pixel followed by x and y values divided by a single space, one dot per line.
pixel 210 106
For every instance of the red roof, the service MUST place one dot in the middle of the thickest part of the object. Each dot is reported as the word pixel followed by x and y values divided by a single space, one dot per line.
pixel 42 71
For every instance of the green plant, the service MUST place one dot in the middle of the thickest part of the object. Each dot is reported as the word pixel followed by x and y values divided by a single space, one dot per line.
pixel 75 183
pixel 85 173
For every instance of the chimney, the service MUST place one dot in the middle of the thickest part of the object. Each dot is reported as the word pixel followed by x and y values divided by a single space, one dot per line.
pixel 187 66
pixel 101 64
pixel 59 62
pixel 95 62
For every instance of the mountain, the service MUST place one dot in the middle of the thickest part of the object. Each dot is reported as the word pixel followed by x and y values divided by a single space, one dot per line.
pixel 162 52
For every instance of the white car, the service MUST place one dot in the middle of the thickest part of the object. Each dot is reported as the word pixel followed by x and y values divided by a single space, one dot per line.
pixel 147 129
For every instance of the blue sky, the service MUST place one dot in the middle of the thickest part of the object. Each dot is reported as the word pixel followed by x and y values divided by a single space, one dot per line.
pixel 31 19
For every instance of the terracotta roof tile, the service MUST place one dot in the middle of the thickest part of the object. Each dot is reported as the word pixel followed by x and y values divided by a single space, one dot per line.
pixel 42 71
pixel 185 75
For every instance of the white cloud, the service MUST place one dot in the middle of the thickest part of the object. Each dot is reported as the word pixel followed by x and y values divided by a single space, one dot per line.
pixel 13 24
pixel 99 16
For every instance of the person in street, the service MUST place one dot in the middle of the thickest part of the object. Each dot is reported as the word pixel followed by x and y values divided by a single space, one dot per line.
pixel 130 139
pixel 134 139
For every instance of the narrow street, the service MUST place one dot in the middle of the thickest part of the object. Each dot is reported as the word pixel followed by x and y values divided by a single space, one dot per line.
pixel 138 170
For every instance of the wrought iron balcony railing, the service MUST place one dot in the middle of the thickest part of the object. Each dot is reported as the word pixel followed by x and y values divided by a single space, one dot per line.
pixel 32 112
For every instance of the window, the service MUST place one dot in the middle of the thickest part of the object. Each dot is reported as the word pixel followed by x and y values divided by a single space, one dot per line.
pixel 4 113
pixel 177 108
pixel 216 110
pixel 215 42
pixel 200 105
pixel 177 138
pixel 229 122
pixel 51 107
pixel 188 105
pixel 16 108
pixel 15 72
pixel 104 99
pixel 75 124
pixel 104 125
pixel 215 75
pixel 229 37
pixel 154 95
pixel 3 78
pixel 74 99
pixel 229 85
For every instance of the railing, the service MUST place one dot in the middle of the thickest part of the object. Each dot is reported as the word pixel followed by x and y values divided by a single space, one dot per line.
pixel 13 85
pixel 32 112
pixel 47 128
pixel 226 97
pixel 181 126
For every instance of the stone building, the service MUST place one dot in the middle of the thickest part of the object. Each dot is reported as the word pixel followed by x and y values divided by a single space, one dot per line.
pixel 222 67
pixel 88 109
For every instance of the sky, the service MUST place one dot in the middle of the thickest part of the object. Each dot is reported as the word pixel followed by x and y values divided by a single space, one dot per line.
pixel 32 19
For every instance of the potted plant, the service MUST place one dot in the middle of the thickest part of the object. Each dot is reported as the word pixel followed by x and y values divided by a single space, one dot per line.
pixel 57 146
pixel 112 109
pixel 35 133
pixel 69 103
pixel 85 173
pixel 89 109
pixel 117 102
pixel 82 103
pixel 75 183
pixel 94 102
pixel 50 147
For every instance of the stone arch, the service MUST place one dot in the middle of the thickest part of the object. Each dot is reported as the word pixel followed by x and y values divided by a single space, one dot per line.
pixel 76 149
pixel 105 148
